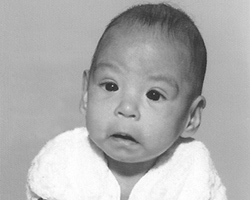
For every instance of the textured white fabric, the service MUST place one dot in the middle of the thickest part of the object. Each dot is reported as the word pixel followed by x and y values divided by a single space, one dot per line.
pixel 69 167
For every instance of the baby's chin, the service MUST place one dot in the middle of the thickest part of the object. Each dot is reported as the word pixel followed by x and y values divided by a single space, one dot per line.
pixel 131 160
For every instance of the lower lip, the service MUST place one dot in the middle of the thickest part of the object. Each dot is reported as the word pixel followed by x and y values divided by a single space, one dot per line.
pixel 124 142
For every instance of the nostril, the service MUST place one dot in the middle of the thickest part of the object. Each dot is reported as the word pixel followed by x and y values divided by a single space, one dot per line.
pixel 132 116
pixel 120 113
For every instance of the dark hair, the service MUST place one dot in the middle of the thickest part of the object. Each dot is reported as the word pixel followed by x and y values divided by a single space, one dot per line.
pixel 174 23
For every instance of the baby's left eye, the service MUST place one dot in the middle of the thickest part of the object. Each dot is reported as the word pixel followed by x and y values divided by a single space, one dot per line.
pixel 154 95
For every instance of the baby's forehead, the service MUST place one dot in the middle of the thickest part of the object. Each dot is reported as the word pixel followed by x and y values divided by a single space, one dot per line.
pixel 154 50
pixel 142 34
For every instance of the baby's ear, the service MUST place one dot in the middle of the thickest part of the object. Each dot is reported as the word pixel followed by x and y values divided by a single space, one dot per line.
pixel 195 114
pixel 84 98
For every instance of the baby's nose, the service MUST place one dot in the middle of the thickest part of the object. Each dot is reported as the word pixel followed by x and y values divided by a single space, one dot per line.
pixel 128 109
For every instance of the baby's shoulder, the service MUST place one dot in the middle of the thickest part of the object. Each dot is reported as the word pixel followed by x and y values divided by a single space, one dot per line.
pixel 63 144
pixel 201 171
pixel 71 137
pixel 61 161
pixel 193 151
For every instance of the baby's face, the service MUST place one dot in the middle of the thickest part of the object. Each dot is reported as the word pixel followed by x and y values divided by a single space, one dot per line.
pixel 137 100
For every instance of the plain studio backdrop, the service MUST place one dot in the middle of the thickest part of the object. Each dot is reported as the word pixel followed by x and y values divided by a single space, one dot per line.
pixel 45 46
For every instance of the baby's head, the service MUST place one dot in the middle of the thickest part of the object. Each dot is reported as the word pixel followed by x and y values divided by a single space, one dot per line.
pixel 168 24
pixel 144 87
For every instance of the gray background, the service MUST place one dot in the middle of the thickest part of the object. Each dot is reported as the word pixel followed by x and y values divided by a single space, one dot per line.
pixel 46 44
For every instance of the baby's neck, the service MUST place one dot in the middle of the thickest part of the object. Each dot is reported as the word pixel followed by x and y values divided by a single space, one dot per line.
pixel 129 169
pixel 128 174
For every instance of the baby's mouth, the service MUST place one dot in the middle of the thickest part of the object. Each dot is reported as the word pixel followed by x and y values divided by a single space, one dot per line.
pixel 124 136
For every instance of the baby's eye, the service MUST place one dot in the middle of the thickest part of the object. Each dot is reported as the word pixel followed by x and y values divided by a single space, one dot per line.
pixel 110 86
pixel 154 95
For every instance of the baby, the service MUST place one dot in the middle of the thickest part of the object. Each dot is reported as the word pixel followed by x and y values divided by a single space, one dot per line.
pixel 140 96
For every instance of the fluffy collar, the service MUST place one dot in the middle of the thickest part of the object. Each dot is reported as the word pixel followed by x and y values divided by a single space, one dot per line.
pixel 69 167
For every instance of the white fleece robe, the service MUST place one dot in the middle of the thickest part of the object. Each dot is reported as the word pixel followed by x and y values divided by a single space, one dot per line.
pixel 69 167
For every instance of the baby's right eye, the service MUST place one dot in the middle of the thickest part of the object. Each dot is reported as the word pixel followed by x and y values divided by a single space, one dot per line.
pixel 110 86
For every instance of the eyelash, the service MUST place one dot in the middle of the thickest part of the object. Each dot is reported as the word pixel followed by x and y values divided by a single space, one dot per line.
pixel 152 95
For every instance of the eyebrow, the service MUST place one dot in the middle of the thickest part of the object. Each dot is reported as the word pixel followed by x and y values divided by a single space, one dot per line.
pixel 103 65
pixel 167 79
